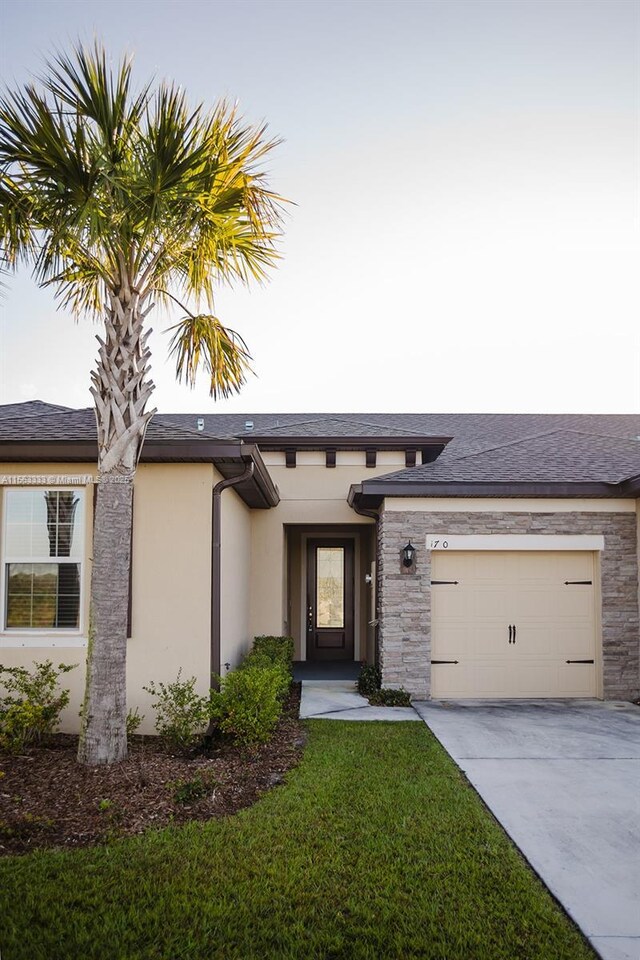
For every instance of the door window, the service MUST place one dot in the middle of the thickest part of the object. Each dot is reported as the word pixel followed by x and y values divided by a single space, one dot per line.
pixel 330 587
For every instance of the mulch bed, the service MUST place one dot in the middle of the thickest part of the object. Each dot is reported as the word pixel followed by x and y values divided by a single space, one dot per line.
pixel 47 799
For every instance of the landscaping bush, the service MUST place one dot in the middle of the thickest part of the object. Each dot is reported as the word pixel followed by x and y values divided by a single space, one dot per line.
pixel 190 791
pixel 134 719
pixel 257 660
pixel 390 698
pixel 182 715
pixel 32 704
pixel 250 702
pixel 276 648
pixel 370 679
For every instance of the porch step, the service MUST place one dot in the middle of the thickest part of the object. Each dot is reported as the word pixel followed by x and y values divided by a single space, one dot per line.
pixel 339 700
pixel 326 669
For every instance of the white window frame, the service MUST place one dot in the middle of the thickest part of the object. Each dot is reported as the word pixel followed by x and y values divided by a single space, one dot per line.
pixel 44 636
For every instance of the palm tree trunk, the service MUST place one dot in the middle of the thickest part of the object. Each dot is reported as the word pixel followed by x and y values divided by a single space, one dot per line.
pixel 120 391
pixel 104 738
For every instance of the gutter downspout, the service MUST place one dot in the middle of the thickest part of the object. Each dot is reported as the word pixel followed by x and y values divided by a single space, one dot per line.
pixel 216 570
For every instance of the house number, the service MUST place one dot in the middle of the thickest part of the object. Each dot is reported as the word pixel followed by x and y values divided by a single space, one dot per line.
pixel 437 544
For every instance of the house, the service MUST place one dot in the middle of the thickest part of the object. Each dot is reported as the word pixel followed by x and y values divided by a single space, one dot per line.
pixel 479 555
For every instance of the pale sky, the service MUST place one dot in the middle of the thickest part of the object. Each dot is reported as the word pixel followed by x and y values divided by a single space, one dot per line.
pixel 466 234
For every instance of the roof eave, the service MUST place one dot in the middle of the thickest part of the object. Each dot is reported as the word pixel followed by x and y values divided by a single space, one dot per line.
pixel 371 493
pixel 280 443
pixel 229 458
pixel 631 486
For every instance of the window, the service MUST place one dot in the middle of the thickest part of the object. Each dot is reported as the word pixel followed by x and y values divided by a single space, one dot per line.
pixel 43 547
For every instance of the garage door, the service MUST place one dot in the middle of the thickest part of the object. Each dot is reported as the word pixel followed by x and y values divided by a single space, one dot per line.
pixel 513 624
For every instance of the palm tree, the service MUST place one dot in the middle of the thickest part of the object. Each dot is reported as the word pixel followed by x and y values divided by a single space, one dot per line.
pixel 120 200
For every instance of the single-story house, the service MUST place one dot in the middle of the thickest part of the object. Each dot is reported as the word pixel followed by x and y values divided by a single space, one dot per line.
pixel 470 555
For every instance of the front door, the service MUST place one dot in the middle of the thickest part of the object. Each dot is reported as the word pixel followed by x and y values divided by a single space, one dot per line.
pixel 330 599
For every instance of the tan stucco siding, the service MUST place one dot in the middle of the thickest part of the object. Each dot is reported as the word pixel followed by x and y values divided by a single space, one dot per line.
pixel 171 579
pixel 235 638
pixel 310 494
pixel 325 483
pixel 171 585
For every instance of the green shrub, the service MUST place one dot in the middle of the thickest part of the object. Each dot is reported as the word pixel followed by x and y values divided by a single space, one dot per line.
pixel 276 648
pixel 250 702
pixel 370 679
pixel 32 704
pixel 182 715
pixel 257 660
pixel 390 698
pixel 134 719
pixel 188 791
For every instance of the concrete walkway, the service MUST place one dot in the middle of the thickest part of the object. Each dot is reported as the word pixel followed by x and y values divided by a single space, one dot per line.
pixel 563 779
pixel 339 700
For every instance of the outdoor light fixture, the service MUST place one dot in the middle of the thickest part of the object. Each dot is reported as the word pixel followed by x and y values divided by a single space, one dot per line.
pixel 408 555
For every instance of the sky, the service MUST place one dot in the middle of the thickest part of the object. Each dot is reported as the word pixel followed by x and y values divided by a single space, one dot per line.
pixel 465 228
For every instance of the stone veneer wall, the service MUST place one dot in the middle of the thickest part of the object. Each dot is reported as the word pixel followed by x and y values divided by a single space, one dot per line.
pixel 405 599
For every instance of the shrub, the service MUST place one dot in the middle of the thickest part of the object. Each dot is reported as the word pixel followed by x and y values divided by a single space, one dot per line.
pixel 250 703
pixel 370 679
pixel 275 648
pixel 390 698
pixel 182 715
pixel 257 660
pixel 188 791
pixel 134 719
pixel 31 707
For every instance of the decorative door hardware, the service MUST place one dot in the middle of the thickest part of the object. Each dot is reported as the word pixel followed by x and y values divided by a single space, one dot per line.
pixel 512 633
pixel 435 583
pixel 444 661
pixel 580 661
pixel 578 583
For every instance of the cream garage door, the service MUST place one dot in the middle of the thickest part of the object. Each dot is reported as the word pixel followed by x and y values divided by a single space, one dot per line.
pixel 513 624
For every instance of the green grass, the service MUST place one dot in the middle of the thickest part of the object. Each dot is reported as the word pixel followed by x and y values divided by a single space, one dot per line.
pixel 375 848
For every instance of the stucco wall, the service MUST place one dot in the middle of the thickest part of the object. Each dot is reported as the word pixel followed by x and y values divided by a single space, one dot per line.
pixel 235 635
pixel 310 494
pixel 171 578
pixel 170 585
pixel 405 600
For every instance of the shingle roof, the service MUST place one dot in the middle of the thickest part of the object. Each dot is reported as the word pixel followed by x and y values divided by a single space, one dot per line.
pixel 66 425
pixel 557 456
pixel 470 431
pixel 485 447
pixel 29 408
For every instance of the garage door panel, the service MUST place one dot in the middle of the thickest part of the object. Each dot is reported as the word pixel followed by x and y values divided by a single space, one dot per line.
pixel 577 679
pixel 456 640
pixel 537 678
pixel 488 639
pixel 535 640
pixel 574 602
pixel 447 680
pixel 555 622
pixel 488 602
pixel 452 643
pixel 464 603
pixel 449 603
pixel 575 641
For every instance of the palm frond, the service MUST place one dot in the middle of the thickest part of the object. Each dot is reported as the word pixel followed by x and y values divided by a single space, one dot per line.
pixel 108 192
pixel 203 341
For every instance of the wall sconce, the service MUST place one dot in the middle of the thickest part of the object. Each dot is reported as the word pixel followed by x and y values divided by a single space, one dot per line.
pixel 408 555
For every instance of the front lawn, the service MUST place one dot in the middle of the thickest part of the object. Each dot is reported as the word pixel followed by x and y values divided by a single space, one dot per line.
pixel 376 847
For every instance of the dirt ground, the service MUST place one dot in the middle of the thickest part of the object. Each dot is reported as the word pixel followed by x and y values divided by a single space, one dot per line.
pixel 47 799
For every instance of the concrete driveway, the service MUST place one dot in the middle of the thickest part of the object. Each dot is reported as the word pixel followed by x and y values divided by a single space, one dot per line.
pixel 563 779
